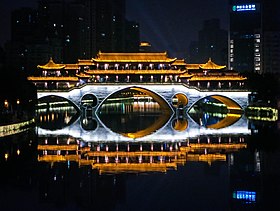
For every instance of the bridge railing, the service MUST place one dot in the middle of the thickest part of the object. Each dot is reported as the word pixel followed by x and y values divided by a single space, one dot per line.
pixel 79 86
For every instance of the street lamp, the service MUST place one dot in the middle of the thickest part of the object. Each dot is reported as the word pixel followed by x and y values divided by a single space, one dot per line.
pixel 6 104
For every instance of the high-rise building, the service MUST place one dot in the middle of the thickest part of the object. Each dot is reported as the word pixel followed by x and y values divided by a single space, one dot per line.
pixel 63 24
pixel 254 36
pixel 68 31
pixel 212 43
pixel 106 25
pixel 132 36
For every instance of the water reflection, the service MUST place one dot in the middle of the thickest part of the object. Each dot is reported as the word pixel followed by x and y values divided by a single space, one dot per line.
pixel 143 118
pixel 211 113
pixel 56 118
pixel 141 157
pixel 59 171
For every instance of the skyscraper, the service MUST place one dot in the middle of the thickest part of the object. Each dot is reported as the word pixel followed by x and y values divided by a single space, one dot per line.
pixel 254 36
pixel 68 31
pixel 212 42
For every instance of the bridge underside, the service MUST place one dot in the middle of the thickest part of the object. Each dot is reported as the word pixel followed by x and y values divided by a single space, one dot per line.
pixel 163 94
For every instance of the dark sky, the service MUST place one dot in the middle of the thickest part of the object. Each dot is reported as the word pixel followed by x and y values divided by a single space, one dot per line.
pixel 168 25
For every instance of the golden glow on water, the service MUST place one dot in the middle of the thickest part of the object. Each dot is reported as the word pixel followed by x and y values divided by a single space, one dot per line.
pixel 135 158
pixel 227 121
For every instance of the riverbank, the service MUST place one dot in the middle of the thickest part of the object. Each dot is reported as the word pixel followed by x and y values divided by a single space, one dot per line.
pixel 11 129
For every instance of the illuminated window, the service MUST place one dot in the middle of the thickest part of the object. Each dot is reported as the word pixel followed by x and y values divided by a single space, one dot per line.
pixel 257 36
pixel 249 196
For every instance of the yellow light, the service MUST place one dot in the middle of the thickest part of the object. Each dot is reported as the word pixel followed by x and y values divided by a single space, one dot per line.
pixel 18 102
pixel 18 152
pixel 6 156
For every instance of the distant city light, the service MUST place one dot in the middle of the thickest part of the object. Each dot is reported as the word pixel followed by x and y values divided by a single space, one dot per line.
pixel 245 7
pixel 249 196
pixel 6 104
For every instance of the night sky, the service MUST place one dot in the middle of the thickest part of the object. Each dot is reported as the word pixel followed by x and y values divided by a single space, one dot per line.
pixel 168 25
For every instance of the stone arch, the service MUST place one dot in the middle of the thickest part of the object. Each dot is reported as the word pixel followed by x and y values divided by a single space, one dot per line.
pixel 180 99
pixel 232 106
pixel 158 98
pixel 89 99
pixel 60 97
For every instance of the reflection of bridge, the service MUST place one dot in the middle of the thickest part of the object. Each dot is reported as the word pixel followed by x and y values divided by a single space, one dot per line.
pixel 173 129
pixel 129 157
pixel 162 93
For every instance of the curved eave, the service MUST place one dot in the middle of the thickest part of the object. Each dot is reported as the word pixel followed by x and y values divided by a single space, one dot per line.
pixel 83 76
pixel 220 78
pixel 210 67
pixel 135 72
pixel 33 78
pixel 51 67
pixel 135 61
pixel 186 75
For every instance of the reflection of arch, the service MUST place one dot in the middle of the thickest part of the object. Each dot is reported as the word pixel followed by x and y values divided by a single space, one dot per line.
pixel 227 121
pixel 89 124
pixel 53 98
pixel 180 124
pixel 161 121
pixel 232 106
pixel 179 99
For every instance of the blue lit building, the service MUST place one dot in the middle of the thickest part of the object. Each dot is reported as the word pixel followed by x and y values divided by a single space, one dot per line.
pixel 254 36
pixel 245 50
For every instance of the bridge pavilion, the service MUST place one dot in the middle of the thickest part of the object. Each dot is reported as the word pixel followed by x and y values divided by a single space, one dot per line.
pixel 136 68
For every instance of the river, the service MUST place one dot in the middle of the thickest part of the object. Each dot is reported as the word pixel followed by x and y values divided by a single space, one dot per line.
pixel 132 156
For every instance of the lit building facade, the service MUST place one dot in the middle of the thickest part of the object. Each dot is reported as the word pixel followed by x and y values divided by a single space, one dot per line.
pixel 245 46
pixel 254 36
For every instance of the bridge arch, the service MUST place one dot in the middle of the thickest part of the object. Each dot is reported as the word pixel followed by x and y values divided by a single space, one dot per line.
pixel 166 107
pixel 179 99
pixel 89 99
pixel 53 96
pixel 232 105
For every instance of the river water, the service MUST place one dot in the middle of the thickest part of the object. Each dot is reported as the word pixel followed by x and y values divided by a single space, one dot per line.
pixel 133 156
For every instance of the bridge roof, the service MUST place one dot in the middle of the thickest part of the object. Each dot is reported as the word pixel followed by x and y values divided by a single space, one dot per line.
pixel 85 62
pixel 135 72
pixel 51 65
pixel 209 65
pixel 133 57
pixel 179 62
